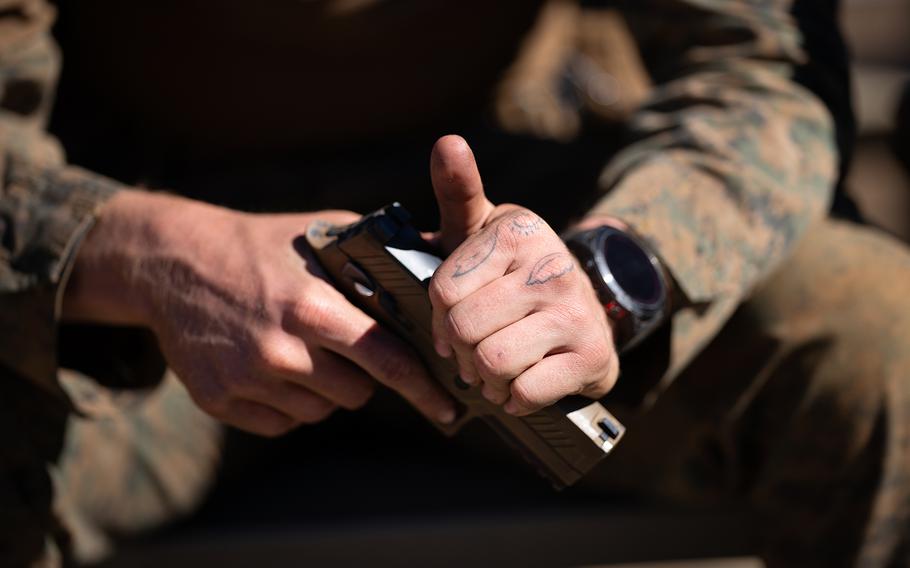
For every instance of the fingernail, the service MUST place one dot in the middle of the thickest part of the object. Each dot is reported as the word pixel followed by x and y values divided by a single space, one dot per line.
pixel 468 379
pixel 511 407
pixel 488 394
pixel 447 416
pixel 443 348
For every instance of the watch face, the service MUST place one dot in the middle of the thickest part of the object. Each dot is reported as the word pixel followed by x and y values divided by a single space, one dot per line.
pixel 632 269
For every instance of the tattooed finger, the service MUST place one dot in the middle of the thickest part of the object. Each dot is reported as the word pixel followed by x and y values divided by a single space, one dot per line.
pixel 477 253
pixel 550 267
pixel 523 222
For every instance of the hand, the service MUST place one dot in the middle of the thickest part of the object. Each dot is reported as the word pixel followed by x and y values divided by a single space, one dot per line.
pixel 259 338
pixel 510 302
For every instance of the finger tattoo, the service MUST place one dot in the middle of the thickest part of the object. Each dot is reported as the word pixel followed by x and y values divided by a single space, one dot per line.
pixel 550 267
pixel 523 222
pixel 476 255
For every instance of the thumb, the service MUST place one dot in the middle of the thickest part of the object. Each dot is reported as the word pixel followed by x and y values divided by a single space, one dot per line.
pixel 463 207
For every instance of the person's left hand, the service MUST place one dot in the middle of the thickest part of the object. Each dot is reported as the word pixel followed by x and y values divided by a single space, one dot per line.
pixel 510 302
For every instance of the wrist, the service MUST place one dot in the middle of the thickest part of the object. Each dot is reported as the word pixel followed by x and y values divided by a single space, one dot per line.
pixel 626 274
pixel 114 279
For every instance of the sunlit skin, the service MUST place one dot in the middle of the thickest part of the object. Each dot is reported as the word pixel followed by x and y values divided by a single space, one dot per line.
pixel 510 303
pixel 263 342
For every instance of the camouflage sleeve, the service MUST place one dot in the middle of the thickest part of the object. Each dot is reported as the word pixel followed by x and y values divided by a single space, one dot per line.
pixel 46 207
pixel 730 159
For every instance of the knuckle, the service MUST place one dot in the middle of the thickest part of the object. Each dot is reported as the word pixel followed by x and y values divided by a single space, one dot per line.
pixel 245 384
pixel 526 395
pixel 394 370
pixel 508 240
pixel 274 354
pixel 459 326
pixel 212 397
pixel 443 294
pixel 316 315
pixel 491 362
pixel 509 245
pixel 598 355
pixel 598 366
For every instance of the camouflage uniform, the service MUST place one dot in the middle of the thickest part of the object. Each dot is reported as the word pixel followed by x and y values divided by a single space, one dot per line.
pixel 782 367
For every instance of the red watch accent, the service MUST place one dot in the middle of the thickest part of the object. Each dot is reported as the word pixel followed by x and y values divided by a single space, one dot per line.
pixel 614 310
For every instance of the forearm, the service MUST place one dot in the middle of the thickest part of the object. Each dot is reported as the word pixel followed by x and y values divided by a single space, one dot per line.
pixel 733 158
pixel 124 259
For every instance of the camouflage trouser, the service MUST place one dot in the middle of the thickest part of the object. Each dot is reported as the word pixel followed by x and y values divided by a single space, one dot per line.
pixel 800 406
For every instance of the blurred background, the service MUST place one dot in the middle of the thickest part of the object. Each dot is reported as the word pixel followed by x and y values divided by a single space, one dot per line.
pixel 879 179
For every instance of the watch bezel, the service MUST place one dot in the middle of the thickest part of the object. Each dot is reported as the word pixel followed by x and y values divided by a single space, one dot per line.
pixel 643 309
pixel 634 319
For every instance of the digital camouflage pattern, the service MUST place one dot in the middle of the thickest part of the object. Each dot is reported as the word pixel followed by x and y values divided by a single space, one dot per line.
pixel 167 445
pixel 729 164
pixel 732 160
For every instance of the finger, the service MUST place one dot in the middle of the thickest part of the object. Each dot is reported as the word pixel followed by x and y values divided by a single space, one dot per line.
pixel 497 305
pixel 464 357
pixel 352 334
pixel 339 380
pixel 486 311
pixel 463 207
pixel 508 353
pixel 396 366
pixel 294 400
pixel 548 381
pixel 478 261
pixel 286 358
pixel 255 417
pixel 484 259
pixel 512 237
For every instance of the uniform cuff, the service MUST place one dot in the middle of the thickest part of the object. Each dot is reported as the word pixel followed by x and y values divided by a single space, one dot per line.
pixel 45 214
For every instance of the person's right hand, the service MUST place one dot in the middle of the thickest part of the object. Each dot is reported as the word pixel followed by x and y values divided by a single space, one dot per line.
pixel 247 321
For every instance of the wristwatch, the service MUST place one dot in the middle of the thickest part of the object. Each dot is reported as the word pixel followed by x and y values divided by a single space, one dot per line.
pixel 628 279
